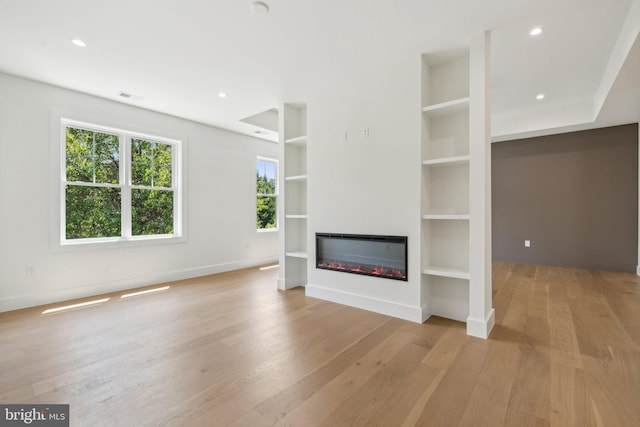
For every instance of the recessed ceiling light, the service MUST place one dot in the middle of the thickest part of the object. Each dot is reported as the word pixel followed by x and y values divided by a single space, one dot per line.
pixel 259 8
pixel 540 96
pixel 78 42
pixel 535 31
pixel 222 94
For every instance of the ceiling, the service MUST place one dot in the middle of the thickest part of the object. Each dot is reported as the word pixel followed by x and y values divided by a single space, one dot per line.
pixel 175 56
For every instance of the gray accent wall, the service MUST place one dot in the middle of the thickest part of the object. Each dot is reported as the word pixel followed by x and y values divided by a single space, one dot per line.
pixel 573 195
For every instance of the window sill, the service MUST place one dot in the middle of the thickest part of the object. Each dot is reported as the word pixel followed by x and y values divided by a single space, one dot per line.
pixel 267 230
pixel 107 243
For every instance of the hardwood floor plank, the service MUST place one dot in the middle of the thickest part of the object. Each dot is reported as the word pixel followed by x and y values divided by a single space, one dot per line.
pixel 530 394
pixel 563 341
pixel 489 400
pixel 613 388
pixel 376 392
pixel 317 407
pixel 446 405
pixel 447 348
pixel 229 349
pixel 624 300
pixel 597 327
pixel 250 419
pixel 281 403
pixel 567 396
pixel 517 418
pixel 432 380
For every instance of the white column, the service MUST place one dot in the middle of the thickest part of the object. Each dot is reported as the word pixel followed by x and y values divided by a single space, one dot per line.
pixel 282 277
pixel 481 314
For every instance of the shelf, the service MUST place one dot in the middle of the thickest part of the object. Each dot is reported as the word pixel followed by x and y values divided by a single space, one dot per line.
pixel 296 178
pixel 449 107
pixel 446 161
pixel 296 216
pixel 300 140
pixel 297 254
pixel 447 272
pixel 447 216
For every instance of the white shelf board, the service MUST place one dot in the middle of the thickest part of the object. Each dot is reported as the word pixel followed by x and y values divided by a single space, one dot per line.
pixel 296 178
pixel 299 140
pixel 449 107
pixel 446 161
pixel 446 216
pixel 295 216
pixel 446 272
pixel 297 254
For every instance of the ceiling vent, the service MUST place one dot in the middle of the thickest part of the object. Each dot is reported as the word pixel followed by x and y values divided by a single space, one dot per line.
pixel 130 96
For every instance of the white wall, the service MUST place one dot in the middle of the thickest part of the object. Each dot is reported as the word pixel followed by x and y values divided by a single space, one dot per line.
pixel 219 201
pixel 367 185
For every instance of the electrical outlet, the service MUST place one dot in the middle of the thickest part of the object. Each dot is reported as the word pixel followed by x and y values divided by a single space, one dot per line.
pixel 28 270
pixel 343 136
pixel 527 243
pixel 365 131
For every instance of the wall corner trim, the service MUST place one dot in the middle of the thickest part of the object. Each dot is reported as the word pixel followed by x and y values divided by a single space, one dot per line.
pixel 426 311
pixel 481 328
pixel 638 270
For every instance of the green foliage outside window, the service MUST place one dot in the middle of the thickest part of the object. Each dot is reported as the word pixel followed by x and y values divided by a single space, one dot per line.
pixel 94 211
pixel 150 164
pixel 266 195
pixel 151 212
pixel 92 157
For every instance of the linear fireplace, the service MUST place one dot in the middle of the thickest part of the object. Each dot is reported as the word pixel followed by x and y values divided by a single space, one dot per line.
pixel 371 255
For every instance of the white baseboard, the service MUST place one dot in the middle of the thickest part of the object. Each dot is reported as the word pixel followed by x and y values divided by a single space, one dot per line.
pixel 389 308
pixel 41 298
pixel 481 328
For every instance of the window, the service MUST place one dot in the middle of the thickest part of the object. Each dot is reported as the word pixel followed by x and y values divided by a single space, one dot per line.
pixel 118 185
pixel 266 194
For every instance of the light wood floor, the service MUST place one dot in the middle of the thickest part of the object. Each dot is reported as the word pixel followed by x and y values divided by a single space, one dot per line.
pixel 231 350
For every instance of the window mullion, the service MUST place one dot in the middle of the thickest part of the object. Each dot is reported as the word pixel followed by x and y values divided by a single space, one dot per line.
pixel 125 182
pixel 93 158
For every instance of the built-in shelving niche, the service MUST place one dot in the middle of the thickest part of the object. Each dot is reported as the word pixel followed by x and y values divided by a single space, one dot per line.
pixel 293 239
pixel 445 184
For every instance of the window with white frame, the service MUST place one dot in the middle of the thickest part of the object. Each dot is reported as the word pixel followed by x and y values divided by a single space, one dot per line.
pixel 266 194
pixel 118 185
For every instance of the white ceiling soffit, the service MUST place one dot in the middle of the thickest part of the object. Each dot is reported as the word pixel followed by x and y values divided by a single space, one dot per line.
pixel 176 56
pixel 266 123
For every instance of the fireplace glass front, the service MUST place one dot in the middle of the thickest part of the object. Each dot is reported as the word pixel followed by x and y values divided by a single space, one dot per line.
pixel 371 255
